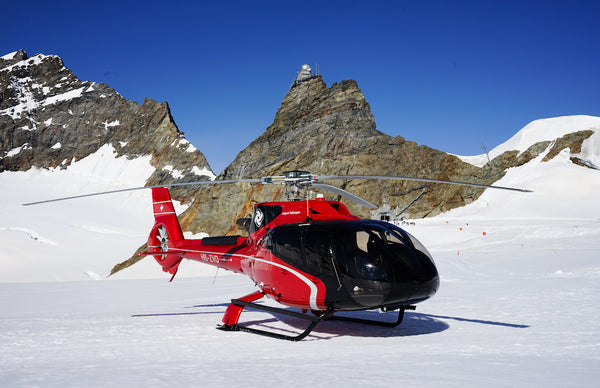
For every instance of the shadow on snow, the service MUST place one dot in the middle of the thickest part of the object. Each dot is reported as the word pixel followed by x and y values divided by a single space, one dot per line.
pixel 220 311
pixel 413 324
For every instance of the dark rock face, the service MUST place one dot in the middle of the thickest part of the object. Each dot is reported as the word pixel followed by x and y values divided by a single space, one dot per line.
pixel 49 118
pixel 573 141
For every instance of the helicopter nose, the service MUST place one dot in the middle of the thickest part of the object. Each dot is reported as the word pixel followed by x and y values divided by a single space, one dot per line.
pixel 415 277
pixel 410 276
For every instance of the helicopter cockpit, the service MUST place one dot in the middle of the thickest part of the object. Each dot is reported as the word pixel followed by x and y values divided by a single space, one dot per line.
pixel 376 263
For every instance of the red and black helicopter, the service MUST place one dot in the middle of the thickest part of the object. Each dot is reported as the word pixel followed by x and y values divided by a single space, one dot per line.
pixel 308 254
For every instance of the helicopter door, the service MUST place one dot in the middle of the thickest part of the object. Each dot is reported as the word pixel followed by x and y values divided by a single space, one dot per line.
pixel 304 247
pixel 362 261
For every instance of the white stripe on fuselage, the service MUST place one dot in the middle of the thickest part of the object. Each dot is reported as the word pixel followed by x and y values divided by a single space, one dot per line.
pixel 310 284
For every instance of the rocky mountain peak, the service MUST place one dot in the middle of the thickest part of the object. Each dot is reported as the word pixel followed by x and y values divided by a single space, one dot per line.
pixel 49 119
pixel 331 130
pixel 312 118
pixel 12 58
pixel 312 100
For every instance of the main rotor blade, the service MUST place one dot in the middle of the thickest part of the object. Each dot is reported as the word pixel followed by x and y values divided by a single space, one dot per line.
pixel 344 194
pixel 143 188
pixel 408 178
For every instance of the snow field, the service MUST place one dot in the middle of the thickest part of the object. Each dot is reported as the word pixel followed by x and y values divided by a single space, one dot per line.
pixel 504 315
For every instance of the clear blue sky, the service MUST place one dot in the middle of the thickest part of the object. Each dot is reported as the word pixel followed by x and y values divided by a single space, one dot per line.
pixel 453 75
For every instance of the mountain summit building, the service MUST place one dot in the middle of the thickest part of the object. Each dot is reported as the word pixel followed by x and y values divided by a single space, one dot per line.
pixel 304 74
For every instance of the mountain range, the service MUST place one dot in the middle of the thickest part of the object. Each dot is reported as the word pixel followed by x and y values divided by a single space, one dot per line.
pixel 53 123
pixel 50 119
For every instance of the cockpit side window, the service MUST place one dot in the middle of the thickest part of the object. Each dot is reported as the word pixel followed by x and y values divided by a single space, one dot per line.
pixel 304 247
pixel 287 245
pixel 317 250
pixel 362 240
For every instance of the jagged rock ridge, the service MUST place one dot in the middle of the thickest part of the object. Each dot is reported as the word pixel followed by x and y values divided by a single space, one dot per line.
pixel 49 119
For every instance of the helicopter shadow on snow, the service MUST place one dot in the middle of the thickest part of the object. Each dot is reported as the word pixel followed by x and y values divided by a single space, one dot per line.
pixel 220 310
pixel 413 324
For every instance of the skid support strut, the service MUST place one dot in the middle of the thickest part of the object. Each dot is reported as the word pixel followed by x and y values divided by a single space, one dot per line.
pixel 233 312
pixel 237 305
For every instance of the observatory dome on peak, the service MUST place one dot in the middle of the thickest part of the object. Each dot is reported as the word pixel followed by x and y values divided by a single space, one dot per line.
pixel 305 73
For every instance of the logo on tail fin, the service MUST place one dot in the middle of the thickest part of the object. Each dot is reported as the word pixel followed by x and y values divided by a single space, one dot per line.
pixel 163 238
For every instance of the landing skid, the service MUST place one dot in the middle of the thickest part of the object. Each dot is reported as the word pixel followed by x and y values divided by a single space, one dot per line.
pixel 238 305
pixel 373 322
pixel 314 321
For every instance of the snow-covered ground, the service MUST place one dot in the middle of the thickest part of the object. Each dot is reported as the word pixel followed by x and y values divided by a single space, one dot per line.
pixel 517 305
pixel 78 239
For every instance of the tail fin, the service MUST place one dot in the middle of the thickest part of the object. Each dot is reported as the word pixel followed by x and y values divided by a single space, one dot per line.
pixel 166 233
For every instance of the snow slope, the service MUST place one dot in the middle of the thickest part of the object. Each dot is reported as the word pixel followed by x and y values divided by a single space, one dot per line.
pixel 78 239
pixel 518 303
pixel 547 130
